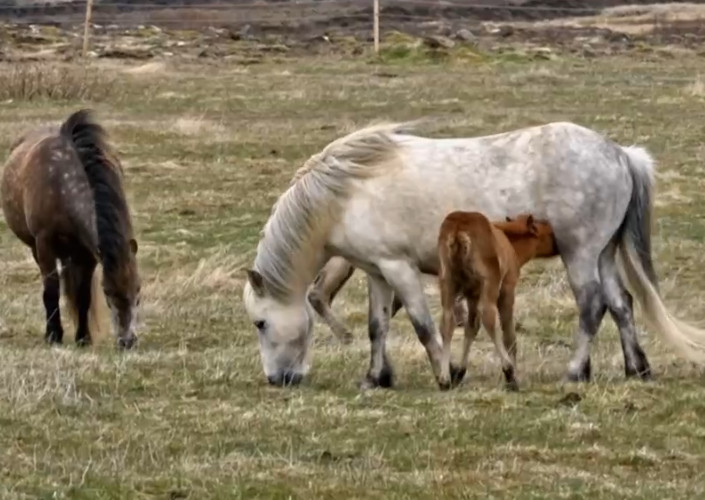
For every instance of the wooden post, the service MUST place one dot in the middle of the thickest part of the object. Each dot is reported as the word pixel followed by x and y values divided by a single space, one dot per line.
pixel 376 24
pixel 86 27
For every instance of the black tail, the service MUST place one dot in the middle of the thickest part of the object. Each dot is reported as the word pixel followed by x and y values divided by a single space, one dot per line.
pixel 104 173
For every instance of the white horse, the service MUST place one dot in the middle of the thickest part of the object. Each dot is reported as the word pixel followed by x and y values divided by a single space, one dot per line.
pixel 377 197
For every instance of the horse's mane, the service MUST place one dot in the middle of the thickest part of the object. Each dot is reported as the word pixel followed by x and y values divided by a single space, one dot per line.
pixel 308 206
pixel 104 173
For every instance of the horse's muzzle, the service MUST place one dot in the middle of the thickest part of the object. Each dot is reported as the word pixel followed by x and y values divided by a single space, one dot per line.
pixel 285 379
pixel 126 343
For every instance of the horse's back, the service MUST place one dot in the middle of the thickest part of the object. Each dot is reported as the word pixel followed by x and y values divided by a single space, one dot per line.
pixel 45 190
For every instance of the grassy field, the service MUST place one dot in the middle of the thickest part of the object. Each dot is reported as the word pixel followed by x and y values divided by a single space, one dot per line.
pixel 207 149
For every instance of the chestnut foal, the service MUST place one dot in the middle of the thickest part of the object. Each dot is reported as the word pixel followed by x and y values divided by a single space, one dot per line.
pixel 480 261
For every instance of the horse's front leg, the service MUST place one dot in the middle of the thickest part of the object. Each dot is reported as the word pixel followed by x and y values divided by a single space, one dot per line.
pixel 380 373
pixel 406 283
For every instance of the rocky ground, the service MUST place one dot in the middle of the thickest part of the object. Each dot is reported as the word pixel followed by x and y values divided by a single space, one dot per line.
pixel 249 32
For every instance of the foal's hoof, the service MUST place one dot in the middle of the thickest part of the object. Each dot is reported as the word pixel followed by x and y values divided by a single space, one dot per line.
pixel 346 338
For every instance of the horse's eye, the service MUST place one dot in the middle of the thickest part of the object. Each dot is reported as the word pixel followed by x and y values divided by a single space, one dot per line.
pixel 260 325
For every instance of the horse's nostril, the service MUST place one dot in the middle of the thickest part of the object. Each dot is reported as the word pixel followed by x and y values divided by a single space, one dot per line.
pixel 127 342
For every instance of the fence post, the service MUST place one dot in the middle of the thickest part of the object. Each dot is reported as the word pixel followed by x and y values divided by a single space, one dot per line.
pixel 86 27
pixel 376 24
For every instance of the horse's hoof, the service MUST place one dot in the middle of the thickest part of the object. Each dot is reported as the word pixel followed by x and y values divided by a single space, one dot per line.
pixel 84 342
pixel 644 374
pixel 581 374
pixel 457 375
pixel 641 370
pixel 444 385
pixel 385 380
pixel 53 338
pixel 512 386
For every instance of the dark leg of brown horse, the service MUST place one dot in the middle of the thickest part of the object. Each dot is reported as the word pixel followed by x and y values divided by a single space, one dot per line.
pixel 84 275
pixel 46 259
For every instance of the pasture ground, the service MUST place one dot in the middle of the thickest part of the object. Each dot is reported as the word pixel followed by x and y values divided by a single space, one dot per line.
pixel 207 149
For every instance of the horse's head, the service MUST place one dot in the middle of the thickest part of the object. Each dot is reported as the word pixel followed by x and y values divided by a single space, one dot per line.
pixel 539 231
pixel 122 286
pixel 284 330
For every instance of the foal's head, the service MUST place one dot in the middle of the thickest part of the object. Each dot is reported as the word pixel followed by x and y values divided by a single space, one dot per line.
pixel 532 236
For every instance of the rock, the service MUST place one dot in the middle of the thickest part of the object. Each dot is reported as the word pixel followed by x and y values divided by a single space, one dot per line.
pixel 437 42
pixel 127 53
pixel 465 35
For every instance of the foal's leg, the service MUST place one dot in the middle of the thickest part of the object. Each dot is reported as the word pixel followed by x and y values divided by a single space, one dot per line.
pixel 619 302
pixel 84 277
pixel 46 259
pixel 489 312
pixel 506 318
pixel 406 282
pixel 472 326
pixel 380 373
pixel 585 282
pixel 330 280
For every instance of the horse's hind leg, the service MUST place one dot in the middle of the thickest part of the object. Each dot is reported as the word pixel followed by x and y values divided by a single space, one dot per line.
pixel 619 302
pixel 472 326
pixel 585 282
pixel 84 280
pixel 46 259
pixel 506 318
pixel 489 313
pixel 380 373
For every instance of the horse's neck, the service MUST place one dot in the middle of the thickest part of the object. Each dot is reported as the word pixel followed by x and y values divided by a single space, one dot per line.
pixel 524 250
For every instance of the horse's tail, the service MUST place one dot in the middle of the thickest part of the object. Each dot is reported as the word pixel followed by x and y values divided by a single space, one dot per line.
pixel 72 276
pixel 635 249
pixel 89 140
pixel 454 246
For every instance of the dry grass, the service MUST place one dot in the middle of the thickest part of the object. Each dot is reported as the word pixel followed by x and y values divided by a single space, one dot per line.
pixel 189 414
pixel 49 81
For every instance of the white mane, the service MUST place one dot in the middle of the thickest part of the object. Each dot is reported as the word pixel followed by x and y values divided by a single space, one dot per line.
pixel 290 245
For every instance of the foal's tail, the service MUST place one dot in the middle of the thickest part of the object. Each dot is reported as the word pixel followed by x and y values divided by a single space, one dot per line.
pixel 635 249
pixel 72 276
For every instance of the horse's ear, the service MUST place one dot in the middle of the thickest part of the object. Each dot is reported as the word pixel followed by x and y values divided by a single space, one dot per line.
pixel 256 282
pixel 531 225
pixel 133 246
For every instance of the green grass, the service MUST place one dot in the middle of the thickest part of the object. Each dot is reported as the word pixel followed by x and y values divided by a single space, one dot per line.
pixel 207 150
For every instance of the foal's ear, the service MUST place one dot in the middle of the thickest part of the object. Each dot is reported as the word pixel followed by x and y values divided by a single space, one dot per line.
pixel 133 246
pixel 256 282
pixel 531 225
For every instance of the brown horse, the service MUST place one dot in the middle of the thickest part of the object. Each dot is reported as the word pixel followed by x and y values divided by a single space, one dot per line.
pixel 481 261
pixel 62 195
